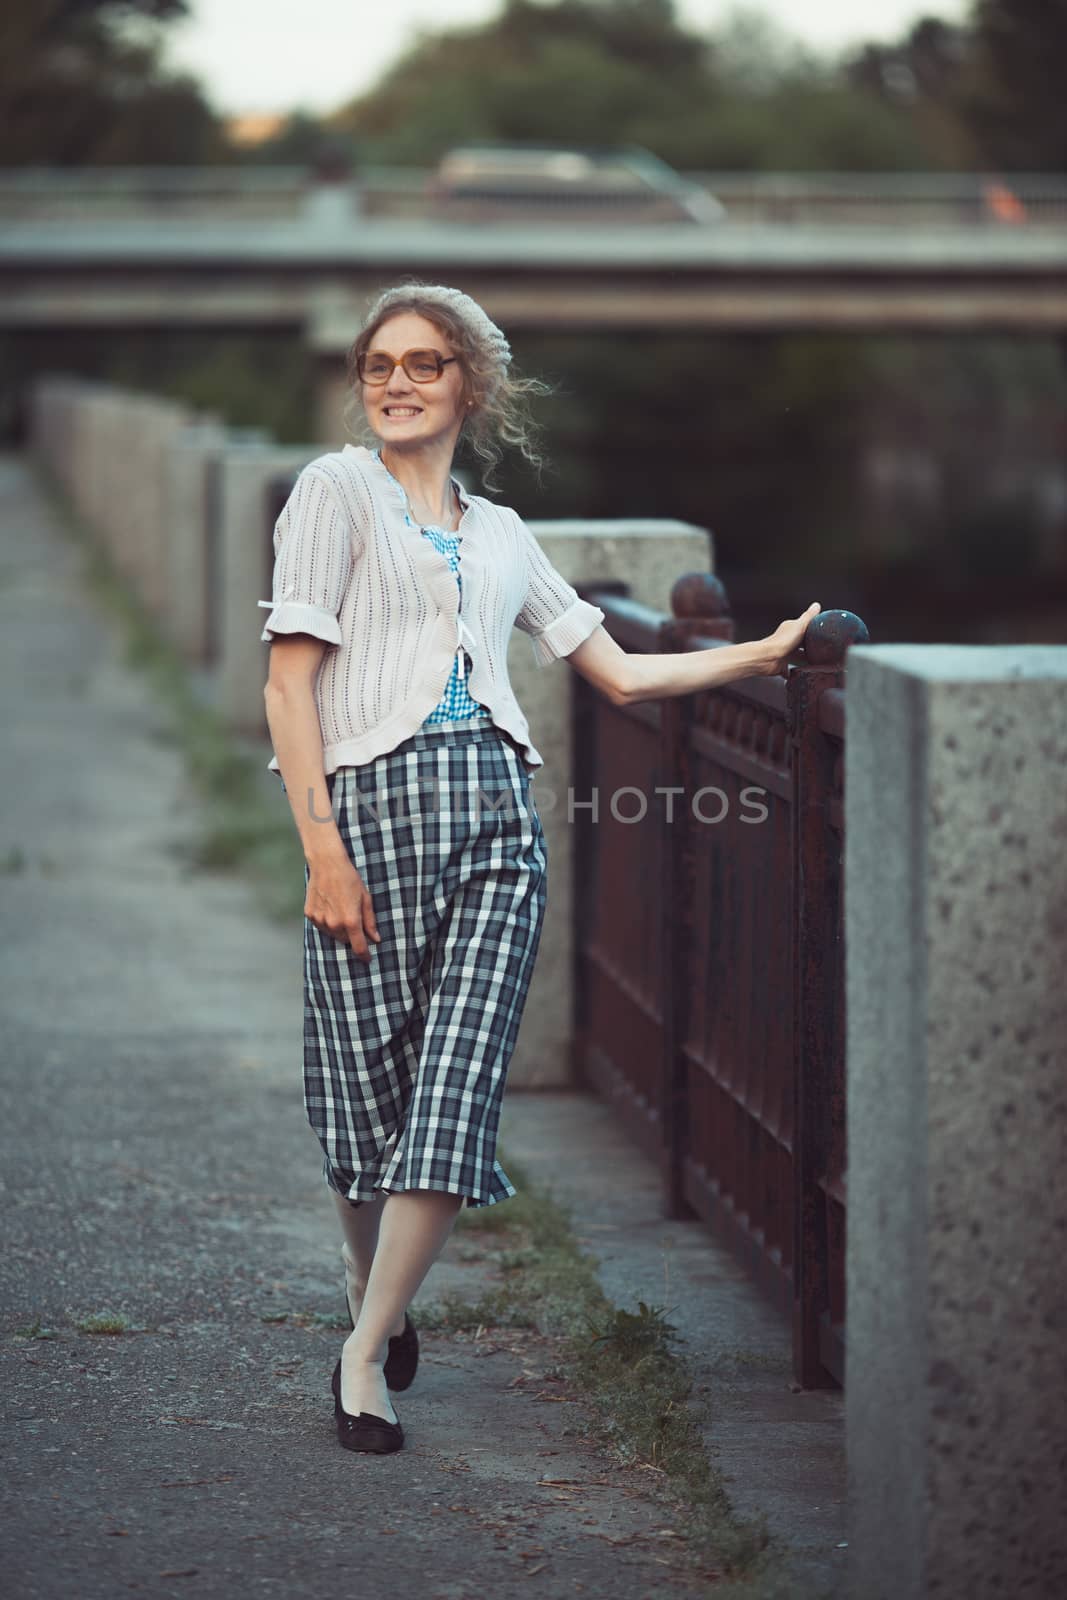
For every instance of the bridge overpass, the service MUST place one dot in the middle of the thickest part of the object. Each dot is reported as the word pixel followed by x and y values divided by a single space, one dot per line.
pixel 313 271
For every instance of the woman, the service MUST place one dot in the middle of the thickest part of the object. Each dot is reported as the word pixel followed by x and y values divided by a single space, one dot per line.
pixel 407 761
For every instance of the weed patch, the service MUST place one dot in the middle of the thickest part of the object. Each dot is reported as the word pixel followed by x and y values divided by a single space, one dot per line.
pixel 36 1330
pixel 624 1364
pixel 104 1322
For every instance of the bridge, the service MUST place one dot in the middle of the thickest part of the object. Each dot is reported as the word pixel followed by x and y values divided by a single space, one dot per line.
pixel 258 249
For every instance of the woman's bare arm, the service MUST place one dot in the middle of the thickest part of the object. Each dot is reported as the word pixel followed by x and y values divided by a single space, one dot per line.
pixel 626 678
pixel 293 719
pixel 338 901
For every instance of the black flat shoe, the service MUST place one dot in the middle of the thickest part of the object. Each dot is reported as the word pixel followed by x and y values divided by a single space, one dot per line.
pixel 367 1432
pixel 402 1359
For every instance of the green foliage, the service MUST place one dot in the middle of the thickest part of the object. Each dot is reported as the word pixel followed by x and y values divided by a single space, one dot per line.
pixel 768 441
pixel 746 97
pixel 578 71
pixel 36 1330
pixel 104 1322
pixel 634 1337
pixel 81 84
pixel 1017 101
pixel 683 425
pixel 987 93
pixel 261 381
pixel 300 141
pixel 596 72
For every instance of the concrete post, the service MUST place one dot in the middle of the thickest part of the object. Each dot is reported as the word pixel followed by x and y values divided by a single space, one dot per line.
pixel 185 470
pixel 246 563
pixel 107 489
pixel 159 423
pixel 956 955
pixel 50 401
pixel 331 395
pixel 650 555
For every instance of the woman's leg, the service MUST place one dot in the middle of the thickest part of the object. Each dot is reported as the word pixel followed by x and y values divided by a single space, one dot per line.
pixel 360 1224
pixel 413 1229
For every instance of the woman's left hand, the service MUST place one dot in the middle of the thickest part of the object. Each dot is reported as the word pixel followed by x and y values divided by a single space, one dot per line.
pixel 787 637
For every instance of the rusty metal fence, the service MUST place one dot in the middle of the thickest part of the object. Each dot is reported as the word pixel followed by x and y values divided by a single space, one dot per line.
pixel 709 973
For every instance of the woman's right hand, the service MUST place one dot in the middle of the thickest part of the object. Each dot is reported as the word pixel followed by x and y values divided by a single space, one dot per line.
pixel 338 902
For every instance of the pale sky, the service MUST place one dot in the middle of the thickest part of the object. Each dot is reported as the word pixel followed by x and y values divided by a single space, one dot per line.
pixel 251 56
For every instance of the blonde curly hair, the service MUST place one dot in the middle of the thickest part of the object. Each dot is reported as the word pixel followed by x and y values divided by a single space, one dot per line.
pixel 499 414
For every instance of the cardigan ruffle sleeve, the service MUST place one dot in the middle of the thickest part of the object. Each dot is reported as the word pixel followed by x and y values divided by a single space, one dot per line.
pixel 313 556
pixel 553 614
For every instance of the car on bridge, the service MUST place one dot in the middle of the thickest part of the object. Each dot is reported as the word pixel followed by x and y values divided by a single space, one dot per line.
pixel 542 182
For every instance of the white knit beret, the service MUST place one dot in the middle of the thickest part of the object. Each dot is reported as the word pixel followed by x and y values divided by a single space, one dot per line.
pixel 483 327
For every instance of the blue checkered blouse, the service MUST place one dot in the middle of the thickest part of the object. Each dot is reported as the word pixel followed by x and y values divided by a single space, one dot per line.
pixel 455 704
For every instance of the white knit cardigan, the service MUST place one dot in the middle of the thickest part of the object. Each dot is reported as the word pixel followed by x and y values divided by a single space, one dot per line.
pixel 350 569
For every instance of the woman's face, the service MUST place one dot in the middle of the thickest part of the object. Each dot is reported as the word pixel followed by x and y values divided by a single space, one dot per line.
pixel 405 412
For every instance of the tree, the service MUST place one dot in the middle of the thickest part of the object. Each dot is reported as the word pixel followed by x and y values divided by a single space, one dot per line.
pixel 1018 104
pixel 921 81
pixel 586 71
pixel 597 72
pixel 81 84
pixel 987 93
pixel 299 142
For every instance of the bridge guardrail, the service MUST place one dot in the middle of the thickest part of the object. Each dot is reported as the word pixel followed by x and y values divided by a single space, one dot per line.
pixel 964 200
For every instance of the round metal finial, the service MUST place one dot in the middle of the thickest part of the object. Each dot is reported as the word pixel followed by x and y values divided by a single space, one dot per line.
pixel 699 594
pixel 829 635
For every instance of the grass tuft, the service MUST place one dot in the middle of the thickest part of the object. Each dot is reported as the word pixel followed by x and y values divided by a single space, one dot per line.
pixel 36 1330
pixel 104 1322
pixel 13 861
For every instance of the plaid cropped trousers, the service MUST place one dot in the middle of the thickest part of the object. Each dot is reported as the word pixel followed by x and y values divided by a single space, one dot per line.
pixel 405 1058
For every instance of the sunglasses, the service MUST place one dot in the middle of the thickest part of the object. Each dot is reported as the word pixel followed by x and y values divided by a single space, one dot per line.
pixel 421 366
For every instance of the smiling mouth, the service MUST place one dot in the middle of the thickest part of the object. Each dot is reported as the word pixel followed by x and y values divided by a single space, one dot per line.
pixel 403 411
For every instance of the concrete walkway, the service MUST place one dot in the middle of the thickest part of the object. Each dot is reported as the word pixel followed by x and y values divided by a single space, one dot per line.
pixel 158 1165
